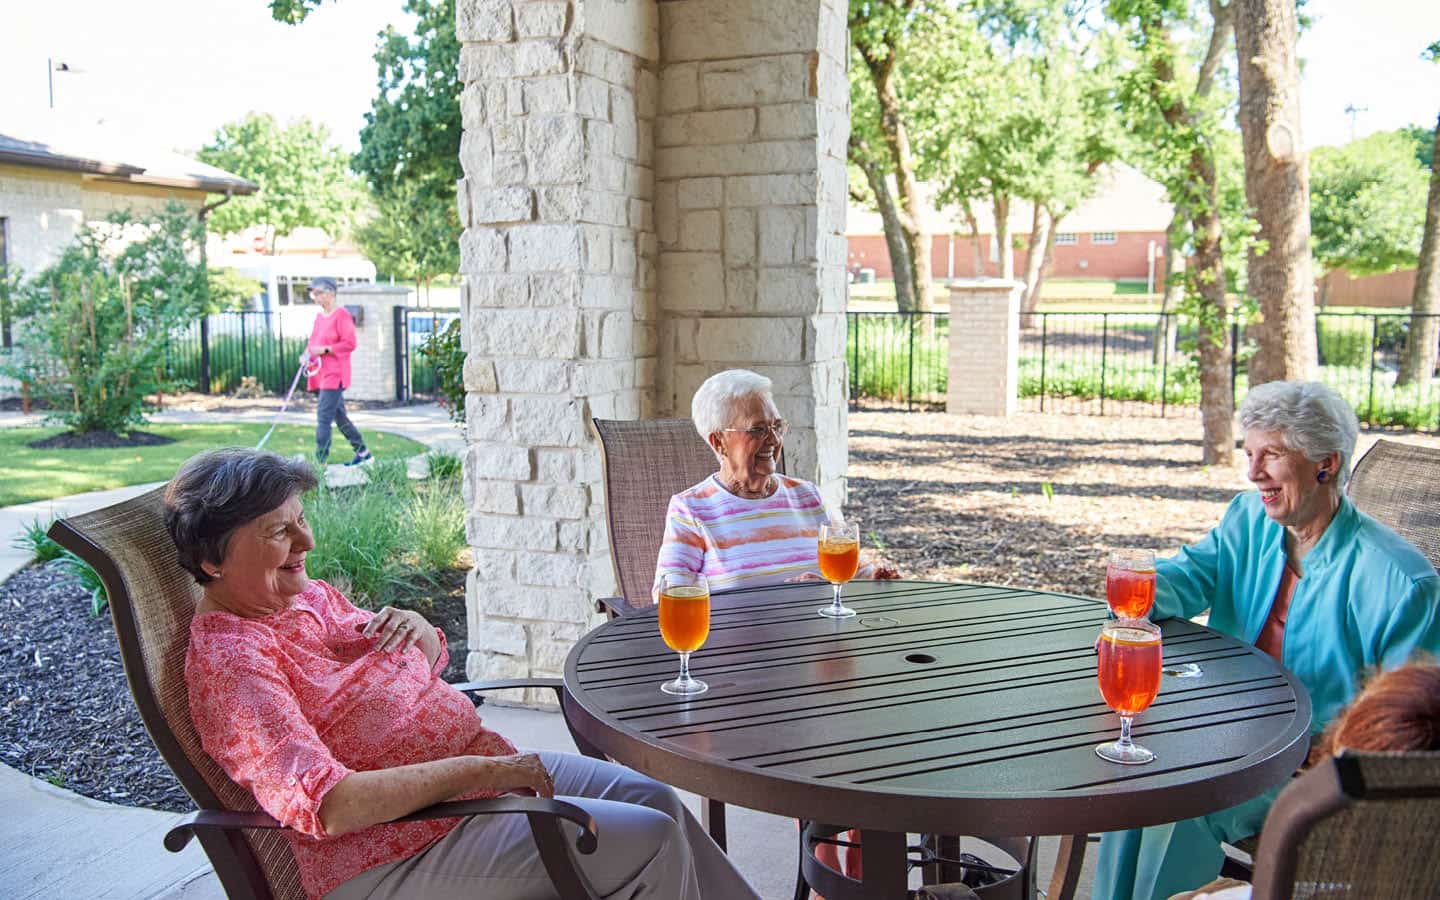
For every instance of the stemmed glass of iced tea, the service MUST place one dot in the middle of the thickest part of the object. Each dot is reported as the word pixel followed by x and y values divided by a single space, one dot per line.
pixel 1129 674
pixel 1130 583
pixel 839 550
pixel 684 624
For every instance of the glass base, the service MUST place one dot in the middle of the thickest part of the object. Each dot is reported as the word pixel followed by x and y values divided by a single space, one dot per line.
pixel 685 687
pixel 830 612
pixel 1124 754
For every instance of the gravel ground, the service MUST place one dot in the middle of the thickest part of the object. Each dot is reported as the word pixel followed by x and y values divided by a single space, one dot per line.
pixel 944 497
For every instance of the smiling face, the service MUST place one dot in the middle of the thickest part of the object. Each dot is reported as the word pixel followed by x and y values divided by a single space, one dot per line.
pixel 743 456
pixel 264 565
pixel 1289 484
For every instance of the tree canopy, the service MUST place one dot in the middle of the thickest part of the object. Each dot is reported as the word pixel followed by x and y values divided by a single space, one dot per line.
pixel 1367 204
pixel 304 180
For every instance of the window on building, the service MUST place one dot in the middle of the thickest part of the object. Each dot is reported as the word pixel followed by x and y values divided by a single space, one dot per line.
pixel 1066 239
pixel 1103 237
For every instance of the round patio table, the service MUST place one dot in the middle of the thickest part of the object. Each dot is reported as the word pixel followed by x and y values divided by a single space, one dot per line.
pixel 941 708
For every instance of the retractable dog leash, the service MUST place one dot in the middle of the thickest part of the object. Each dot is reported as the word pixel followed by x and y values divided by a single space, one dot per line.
pixel 305 369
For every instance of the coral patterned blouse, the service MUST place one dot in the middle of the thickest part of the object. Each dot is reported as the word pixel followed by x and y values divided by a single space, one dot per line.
pixel 290 703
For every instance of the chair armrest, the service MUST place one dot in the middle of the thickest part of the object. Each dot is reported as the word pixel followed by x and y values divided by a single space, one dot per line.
pixel 228 820
pixel 615 607
pixel 475 687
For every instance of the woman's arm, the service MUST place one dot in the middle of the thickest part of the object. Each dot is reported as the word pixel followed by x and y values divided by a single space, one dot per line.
pixel 682 549
pixel 362 799
pixel 344 332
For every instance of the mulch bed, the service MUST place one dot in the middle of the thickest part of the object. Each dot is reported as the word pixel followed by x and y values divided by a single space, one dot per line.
pixel 65 711
pixel 88 440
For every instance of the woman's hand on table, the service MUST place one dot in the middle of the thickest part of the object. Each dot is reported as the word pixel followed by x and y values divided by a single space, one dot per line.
pixel 803 577
pixel 885 573
pixel 401 629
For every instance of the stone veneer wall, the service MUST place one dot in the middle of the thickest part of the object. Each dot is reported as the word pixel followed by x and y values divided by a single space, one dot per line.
pixel 564 161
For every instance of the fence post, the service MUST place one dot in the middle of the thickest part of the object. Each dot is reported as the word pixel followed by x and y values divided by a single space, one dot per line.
pixel 402 354
pixel 1044 335
pixel 1165 361
pixel 984 351
pixel 1104 347
pixel 910 373
pixel 1234 359
pixel 244 347
pixel 1374 347
pixel 204 354
pixel 853 321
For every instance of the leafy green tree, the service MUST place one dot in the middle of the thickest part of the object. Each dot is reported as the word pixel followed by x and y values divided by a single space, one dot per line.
pixel 411 239
pixel 230 291
pixel 292 12
pixel 1421 350
pixel 1367 205
pixel 1175 116
pixel 304 181
pixel 102 316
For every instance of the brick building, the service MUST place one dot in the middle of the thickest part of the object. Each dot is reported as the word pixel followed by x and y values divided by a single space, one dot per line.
pixel 1115 235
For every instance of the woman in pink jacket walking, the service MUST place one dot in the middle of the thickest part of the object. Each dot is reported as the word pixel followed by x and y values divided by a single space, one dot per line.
pixel 332 340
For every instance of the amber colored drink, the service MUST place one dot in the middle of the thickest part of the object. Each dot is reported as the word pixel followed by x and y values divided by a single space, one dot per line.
pixel 1130 592
pixel 839 559
pixel 684 617
pixel 1129 669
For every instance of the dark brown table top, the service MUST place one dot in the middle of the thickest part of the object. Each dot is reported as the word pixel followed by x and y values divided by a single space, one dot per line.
pixel 944 708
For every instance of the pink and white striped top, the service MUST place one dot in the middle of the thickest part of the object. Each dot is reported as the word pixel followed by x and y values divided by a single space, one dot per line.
pixel 739 543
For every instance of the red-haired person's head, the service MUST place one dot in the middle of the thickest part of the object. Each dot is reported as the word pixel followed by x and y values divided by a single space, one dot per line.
pixel 1397 711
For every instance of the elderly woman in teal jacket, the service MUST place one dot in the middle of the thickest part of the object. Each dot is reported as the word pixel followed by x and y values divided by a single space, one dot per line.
pixel 1297 570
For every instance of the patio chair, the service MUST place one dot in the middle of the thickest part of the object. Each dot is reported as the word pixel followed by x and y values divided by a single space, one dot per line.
pixel 645 463
pixel 152 601
pixel 1361 825
pixel 1399 484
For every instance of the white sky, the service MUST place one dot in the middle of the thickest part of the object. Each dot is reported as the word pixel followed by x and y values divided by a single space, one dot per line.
pixel 177 69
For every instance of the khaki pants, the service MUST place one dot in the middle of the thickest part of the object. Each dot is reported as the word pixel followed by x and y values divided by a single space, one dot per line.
pixel 651 848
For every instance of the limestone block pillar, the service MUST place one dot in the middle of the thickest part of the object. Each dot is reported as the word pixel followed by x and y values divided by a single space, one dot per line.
pixel 750 194
pixel 372 365
pixel 984 346
pixel 557 253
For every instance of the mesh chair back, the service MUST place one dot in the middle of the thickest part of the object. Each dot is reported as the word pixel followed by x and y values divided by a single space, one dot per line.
pixel 1399 484
pixel 152 601
pixel 646 463
pixel 1359 826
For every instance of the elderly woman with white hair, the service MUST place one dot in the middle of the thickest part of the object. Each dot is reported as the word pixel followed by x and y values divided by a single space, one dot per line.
pixel 747 525
pixel 1297 570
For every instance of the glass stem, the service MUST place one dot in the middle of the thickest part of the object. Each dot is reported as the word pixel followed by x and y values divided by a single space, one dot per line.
pixel 836 604
pixel 1125 730
pixel 684 667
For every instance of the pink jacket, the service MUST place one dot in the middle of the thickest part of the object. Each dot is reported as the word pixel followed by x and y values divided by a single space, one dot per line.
pixel 336 331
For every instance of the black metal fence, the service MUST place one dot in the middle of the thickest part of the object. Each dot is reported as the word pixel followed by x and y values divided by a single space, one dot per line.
pixel 215 353
pixel 415 377
pixel 1131 363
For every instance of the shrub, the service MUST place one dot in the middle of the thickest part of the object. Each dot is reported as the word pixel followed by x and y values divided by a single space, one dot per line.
pixel 359 542
pixel 89 579
pixel 33 539
pixel 444 465
pixel 437 518
pixel 98 320
pixel 445 356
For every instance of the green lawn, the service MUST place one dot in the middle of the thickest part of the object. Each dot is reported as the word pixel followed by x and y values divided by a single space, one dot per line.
pixel 30 474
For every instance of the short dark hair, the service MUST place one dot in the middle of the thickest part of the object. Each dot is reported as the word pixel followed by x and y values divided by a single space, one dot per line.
pixel 217 491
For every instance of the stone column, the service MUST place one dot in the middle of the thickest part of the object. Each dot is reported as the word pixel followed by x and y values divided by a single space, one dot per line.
pixel 750 211
pixel 984 346
pixel 557 254
pixel 372 365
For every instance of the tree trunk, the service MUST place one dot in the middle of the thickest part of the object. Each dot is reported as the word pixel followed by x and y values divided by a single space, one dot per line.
pixel 1217 393
pixel 1277 186
pixel 901 267
pixel 1420 352
pixel 907 186
pixel 975 247
pixel 1163 345
pixel 1041 228
pixel 1003 240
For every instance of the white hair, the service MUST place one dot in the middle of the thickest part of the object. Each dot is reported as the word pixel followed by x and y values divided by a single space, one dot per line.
pixel 1311 417
pixel 714 404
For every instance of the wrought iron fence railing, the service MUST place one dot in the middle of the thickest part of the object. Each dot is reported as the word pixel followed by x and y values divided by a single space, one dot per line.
pixel 1132 363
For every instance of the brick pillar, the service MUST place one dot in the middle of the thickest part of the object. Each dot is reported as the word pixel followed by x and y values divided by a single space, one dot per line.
pixel 372 365
pixel 984 346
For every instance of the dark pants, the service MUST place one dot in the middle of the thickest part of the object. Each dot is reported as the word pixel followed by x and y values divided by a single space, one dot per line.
pixel 332 409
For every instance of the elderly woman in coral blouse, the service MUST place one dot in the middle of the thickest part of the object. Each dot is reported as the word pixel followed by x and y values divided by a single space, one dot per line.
pixel 1295 569
pixel 747 525
pixel 337 721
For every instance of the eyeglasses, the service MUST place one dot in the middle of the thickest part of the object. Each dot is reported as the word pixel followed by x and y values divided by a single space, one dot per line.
pixel 761 432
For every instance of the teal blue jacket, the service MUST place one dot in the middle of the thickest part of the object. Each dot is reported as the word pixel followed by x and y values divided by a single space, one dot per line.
pixel 1368 599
